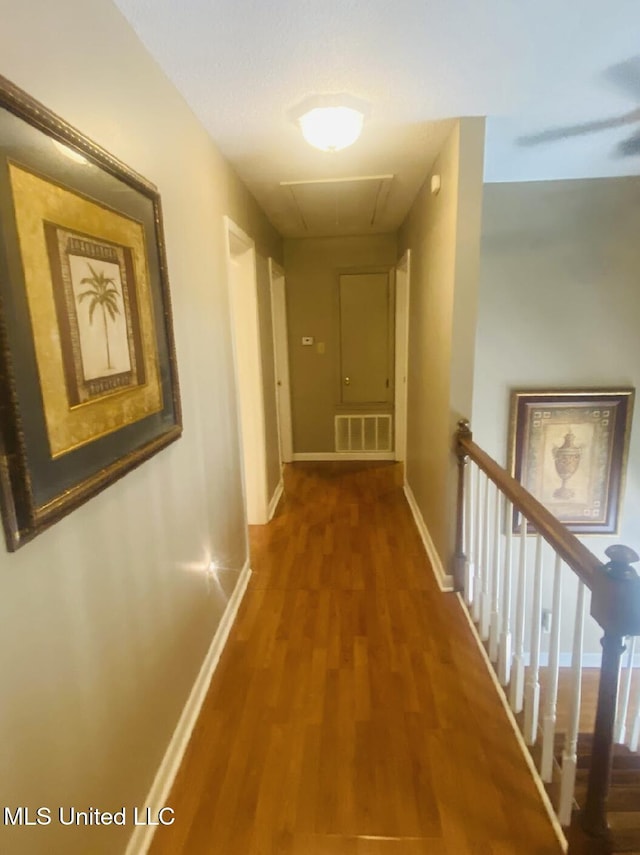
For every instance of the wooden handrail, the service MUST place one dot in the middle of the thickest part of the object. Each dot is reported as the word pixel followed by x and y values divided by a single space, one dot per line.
pixel 583 562
pixel 615 605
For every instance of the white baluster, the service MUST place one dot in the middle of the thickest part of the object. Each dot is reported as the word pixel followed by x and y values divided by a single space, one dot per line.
pixel 516 689
pixel 477 579
pixel 620 729
pixel 485 606
pixel 551 701
pixel 532 690
pixel 494 629
pixel 504 658
pixel 569 755
pixel 468 533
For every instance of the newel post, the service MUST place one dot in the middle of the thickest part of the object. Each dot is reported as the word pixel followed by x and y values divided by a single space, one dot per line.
pixel 615 604
pixel 459 558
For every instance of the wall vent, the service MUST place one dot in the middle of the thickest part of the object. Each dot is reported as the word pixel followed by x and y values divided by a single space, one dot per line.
pixel 363 432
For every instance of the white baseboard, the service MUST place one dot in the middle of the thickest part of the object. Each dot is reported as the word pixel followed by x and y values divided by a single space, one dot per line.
pixel 444 580
pixel 142 836
pixel 343 455
pixel 277 494
pixel 546 801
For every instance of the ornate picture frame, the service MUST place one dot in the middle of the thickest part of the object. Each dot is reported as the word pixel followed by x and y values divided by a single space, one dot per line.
pixel 88 374
pixel 569 449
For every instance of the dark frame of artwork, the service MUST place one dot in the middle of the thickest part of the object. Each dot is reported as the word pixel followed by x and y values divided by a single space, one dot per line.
pixel 88 375
pixel 569 449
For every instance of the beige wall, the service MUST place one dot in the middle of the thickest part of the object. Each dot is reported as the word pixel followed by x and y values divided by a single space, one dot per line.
pixel 443 232
pixel 106 618
pixel 312 266
pixel 559 307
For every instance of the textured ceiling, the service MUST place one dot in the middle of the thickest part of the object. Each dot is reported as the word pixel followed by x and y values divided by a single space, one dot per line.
pixel 528 67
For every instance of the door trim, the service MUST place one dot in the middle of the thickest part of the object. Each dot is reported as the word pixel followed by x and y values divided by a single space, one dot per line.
pixel 281 360
pixel 402 294
pixel 247 363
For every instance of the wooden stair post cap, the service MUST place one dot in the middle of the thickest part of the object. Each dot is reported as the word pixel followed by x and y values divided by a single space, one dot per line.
pixel 621 558
pixel 615 601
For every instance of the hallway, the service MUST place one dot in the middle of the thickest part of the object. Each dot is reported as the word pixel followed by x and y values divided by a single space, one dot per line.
pixel 351 713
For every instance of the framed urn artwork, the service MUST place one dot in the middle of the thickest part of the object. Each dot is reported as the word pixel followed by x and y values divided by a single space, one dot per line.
pixel 569 449
pixel 88 376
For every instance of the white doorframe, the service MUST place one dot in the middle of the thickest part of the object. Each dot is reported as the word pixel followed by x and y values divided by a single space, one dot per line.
pixel 281 358
pixel 245 329
pixel 403 275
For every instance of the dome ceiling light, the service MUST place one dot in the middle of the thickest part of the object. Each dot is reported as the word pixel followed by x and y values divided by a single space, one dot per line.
pixel 330 122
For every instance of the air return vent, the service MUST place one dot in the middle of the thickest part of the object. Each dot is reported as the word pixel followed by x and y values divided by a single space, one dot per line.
pixel 358 432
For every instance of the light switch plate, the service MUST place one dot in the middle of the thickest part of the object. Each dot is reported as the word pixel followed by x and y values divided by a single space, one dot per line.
pixel 307 340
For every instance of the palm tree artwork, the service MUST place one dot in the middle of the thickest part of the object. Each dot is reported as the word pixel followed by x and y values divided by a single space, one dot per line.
pixel 103 293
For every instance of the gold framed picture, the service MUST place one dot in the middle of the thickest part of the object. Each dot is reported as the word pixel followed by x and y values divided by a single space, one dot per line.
pixel 569 449
pixel 88 373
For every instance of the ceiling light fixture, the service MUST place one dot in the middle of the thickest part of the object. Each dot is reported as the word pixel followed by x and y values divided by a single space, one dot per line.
pixel 331 122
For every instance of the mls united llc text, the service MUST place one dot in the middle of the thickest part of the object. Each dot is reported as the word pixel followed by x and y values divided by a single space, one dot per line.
pixel 90 816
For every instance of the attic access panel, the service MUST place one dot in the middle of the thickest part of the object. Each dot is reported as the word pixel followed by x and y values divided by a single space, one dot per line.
pixel 338 205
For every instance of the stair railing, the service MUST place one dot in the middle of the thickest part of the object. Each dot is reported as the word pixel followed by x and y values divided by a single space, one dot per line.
pixel 496 517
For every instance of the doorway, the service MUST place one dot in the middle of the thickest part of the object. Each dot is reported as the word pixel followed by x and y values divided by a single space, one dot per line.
pixel 281 359
pixel 245 328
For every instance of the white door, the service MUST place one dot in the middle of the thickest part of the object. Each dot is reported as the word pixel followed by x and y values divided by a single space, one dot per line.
pixel 281 355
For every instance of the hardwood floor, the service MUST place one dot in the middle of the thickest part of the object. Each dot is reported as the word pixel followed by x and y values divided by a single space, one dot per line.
pixel 351 713
pixel 589 692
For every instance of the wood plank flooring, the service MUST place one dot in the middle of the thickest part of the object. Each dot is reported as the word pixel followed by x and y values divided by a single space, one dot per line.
pixel 589 694
pixel 351 713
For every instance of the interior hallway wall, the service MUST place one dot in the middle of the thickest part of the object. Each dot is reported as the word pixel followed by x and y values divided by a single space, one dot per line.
pixel 443 233
pixel 558 307
pixel 312 267
pixel 106 618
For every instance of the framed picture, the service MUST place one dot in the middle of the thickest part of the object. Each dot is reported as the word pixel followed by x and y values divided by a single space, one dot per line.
pixel 88 377
pixel 569 449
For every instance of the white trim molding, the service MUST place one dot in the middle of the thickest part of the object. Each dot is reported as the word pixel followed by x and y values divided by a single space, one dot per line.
pixel 343 455
pixel 242 291
pixel 282 388
pixel 403 291
pixel 275 499
pixel 444 580
pixel 140 840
